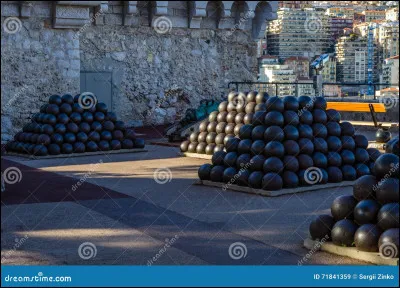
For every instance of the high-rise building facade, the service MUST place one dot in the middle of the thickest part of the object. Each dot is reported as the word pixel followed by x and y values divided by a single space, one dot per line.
pixel 298 33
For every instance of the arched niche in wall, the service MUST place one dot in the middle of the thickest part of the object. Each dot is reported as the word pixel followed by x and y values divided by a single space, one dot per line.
pixel 259 22
pixel 145 11
pixel 241 15
pixel 214 10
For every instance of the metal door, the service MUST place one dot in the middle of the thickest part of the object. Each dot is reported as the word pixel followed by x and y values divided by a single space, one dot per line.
pixel 99 83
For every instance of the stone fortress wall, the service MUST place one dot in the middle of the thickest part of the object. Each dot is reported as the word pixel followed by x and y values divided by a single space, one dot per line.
pixel 164 56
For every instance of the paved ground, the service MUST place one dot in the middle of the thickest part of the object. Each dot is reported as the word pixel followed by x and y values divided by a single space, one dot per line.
pixel 132 219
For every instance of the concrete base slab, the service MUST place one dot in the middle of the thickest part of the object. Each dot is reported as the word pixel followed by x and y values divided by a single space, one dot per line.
pixel 196 155
pixel 33 157
pixel 352 252
pixel 274 193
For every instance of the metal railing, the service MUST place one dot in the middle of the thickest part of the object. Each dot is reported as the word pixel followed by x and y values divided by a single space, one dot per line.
pixel 340 90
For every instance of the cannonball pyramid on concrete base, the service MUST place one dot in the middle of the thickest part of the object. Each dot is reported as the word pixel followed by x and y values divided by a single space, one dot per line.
pixel 368 219
pixel 69 125
pixel 284 143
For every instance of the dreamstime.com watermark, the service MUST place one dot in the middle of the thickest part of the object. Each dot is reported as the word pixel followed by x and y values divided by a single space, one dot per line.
pixel 162 175
pixel 93 168
pixel 21 91
pixel 87 250
pixel 315 248
pixel 88 23
pixel 237 250
pixel 18 243
pixel 392 171
pixel 37 278
pixel 12 175
pixel 307 107
pixel 388 251
pixel 237 175
pixel 243 19
pixel 168 244
pixel 313 175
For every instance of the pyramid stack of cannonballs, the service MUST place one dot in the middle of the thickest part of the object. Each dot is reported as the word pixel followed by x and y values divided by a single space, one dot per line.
pixel 292 142
pixel 224 124
pixel 73 125
pixel 368 219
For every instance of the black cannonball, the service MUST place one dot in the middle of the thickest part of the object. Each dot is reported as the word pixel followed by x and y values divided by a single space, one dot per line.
pixel 257 147
pixel 366 211
pixel 75 117
pixel 257 162
pixel 333 115
pixel 361 155
pixel 106 135
pixel 139 143
pixel 305 161
pixel 231 145
pixel 50 119
pixel 52 109
pixel 291 147
pixel 320 145
pixel 67 98
pixel 306 117
pixel 306 146
pixel 319 116
pixel 305 131
pixel 348 157
pixel 320 103
pixel 349 173
pixel 335 175
pixel 43 139
pixel 65 108
pixel 230 159
pixel 291 163
pixel 73 128
pixel 343 232
pixel 273 164
pixel 383 135
pixel 47 129
pixel 389 243
pixel 79 147
pixel 387 191
pixel 87 117
pixel 101 107
pixel 306 103
pixel 243 161
pixel 99 116
pixel 274 118
pixel 111 116
pixel 291 118
pixel 96 126
pixel 258 132
pixel 204 171
pixel 245 131
pixel 362 170
pixel 62 118
pixel 274 148
pixel 373 154
pixel 366 237
pixel 274 133
pixel 334 159
pixel 320 160
pixel 333 129
pixel 77 108
pixel 258 118
pixel 321 227
pixel 387 165
pixel 348 143
pixel 69 138
pixel 365 187
pixel 126 144
pixel 244 146
pixel 34 138
pixel 108 125
pixel 84 127
pixel 55 99
pixel 57 139
pixel 290 133
pixel 43 108
pixel 40 150
pixel 320 130
pixel 361 141
pixel 291 103
pixel 388 216
pixel 115 144
pixel 67 148
pixel 105 145
pixel 290 179
pixel 275 104
pixel 347 129
pixel 272 182
pixel 255 179
pixel 94 136
pixel 216 173
pixel 81 137
pixel 218 158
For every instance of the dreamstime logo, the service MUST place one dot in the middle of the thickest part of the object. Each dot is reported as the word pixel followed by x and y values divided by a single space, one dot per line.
pixel 313 175
pixel 313 25
pixel 12 25
pixel 240 25
pixel 12 175
pixel 239 100
pixel 243 168
pixel 237 250
pixel 87 100
pixel 162 25
pixel 162 175
pixel 393 169
pixel 17 245
pixel 307 107
pixel 93 168
pixel 87 250
pixel 316 247
pixel 168 244
pixel 389 101
pixel 388 250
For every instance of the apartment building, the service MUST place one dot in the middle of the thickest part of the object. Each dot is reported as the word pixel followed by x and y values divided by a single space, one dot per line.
pixel 305 87
pixel 272 71
pixel 342 12
pixel 392 14
pixel 388 38
pixel 390 71
pixel 329 71
pixel 352 59
pixel 298 33
pixel 300 65
pixel 374 15
pixel 337 25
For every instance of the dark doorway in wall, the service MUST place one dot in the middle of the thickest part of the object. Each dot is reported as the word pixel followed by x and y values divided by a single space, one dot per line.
pixel 99 83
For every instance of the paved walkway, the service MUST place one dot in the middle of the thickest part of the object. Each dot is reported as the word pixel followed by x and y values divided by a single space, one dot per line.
pixel 131 218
